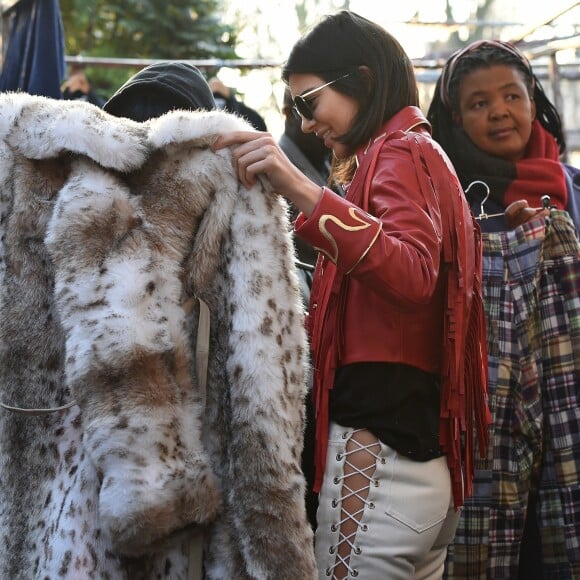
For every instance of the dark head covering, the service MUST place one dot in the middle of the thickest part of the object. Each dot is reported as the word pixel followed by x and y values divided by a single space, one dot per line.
pixel 475 47
pixel 179 83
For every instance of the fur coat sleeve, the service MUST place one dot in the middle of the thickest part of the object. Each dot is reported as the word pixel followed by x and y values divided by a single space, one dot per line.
pixel 109 229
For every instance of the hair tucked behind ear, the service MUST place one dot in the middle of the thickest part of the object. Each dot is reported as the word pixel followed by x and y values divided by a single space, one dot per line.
pixel 482 54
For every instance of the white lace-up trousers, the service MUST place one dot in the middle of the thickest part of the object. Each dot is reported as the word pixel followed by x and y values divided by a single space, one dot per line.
pixel 382 516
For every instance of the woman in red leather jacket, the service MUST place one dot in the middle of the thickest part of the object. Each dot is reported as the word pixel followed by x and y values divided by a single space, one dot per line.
pixel 395 317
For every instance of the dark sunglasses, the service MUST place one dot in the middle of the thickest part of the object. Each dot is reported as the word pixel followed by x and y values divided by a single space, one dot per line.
pixel 301 106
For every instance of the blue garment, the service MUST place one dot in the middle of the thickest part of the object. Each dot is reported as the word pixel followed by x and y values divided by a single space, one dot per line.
pixel 34 60
pixel 573 185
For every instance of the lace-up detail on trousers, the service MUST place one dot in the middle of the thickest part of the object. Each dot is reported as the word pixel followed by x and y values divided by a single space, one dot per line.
pixel 352 490
pixel 381 515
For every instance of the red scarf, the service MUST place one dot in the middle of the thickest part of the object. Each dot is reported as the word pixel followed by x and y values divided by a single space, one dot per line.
pixel 539 173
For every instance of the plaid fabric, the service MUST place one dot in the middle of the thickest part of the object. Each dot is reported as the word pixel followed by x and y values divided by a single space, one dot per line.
pixel 532 299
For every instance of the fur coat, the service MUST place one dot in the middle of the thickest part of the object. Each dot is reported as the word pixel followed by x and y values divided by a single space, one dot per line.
pixel 109 230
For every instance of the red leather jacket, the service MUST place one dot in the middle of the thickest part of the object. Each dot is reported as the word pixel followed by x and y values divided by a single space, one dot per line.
pixel 378 292
pixel 391 253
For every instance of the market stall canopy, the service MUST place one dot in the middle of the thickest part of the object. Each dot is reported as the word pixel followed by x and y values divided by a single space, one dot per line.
pixel 34 47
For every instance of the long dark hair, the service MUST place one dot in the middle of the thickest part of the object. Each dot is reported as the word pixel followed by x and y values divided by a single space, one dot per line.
pixel 477 55
pixel 382 78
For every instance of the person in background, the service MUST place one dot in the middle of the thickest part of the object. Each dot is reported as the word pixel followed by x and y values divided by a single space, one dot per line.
pixel 78 87
pixel 312 157
pixel 305 150
pixel 492 117
pixel 160 88
pixel 395 319
pixel 225 99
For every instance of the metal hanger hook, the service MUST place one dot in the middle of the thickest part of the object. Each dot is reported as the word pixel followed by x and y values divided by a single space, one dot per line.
pixel 482 213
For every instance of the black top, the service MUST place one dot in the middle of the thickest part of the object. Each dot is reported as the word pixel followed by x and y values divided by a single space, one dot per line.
pixel 396 402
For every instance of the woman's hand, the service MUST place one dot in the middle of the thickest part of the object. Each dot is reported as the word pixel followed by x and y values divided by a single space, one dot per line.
pixel 519 212
pixel 256 153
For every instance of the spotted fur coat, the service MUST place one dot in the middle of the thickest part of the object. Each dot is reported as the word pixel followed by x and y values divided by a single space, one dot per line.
pixel 109 229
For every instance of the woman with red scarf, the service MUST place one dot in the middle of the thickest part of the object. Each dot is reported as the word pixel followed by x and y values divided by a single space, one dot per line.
pixel 505 138
pixel 395 319
pixel 492 117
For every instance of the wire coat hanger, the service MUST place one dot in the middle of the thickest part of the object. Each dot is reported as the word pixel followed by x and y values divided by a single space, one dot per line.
pixel 482 215
pixel 546 202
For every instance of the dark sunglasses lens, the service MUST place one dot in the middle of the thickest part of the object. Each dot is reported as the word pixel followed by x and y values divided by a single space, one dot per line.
pixel 303 108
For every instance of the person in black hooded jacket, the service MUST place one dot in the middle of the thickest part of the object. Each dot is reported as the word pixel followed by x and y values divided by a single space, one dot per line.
pixel 160 88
